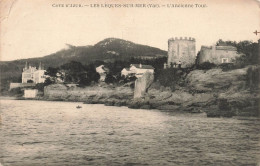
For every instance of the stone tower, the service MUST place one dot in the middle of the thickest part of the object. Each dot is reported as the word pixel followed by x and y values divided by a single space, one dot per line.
pixel 181 51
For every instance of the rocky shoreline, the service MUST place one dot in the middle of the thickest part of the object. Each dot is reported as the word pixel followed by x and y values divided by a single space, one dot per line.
pixel 212 106
pixel 214 92
pixel 202 103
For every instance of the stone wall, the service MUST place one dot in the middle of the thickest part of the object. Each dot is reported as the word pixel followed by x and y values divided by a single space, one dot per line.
pixel 216 54
pixel 62 92
pixel 20 85
pixel 142 84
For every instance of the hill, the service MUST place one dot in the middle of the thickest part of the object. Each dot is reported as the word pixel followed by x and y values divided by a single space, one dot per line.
pixel 107 50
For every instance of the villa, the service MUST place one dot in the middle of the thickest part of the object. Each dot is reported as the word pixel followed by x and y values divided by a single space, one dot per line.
pixel 137 70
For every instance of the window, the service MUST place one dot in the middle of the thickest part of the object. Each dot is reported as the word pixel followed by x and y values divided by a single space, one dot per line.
pixel 224 60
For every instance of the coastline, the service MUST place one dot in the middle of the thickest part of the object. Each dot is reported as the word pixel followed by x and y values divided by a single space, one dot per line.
pixel 214 92
pixel 211 106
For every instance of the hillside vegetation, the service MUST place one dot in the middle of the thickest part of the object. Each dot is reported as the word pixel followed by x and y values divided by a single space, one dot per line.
pixel 106 51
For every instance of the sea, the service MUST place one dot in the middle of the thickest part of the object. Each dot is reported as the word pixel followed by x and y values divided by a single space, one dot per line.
pixel 58 133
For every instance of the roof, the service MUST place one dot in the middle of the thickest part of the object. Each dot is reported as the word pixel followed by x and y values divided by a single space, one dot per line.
pixel 231 48
pixel 228 48
pixel 142 66
pixel 127 69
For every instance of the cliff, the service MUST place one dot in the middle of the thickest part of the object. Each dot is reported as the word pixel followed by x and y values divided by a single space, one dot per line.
pixel 216 92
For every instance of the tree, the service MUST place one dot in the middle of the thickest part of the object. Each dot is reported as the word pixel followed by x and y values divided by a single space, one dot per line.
pixel 74 71
pixel 40 86
pixel 73 67
pixel 48 81
pixel 110 79
pixel 92 74
pixel 52 71
pixel 84 79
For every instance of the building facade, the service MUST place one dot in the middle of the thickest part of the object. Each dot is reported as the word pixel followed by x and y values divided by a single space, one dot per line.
pixel 217 54
pixel 33 75
pixel 181 52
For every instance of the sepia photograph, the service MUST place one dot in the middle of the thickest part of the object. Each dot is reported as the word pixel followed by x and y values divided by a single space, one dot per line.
pixel 129 82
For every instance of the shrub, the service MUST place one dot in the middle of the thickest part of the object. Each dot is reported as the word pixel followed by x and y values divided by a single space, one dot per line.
pixel 227 66
pixel 16 92
pixel 40 86
pixel 110 79
pixel 170 77
pixel 205 66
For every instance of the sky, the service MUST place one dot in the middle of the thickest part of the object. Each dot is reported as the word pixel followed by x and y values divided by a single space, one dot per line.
pixel 35 28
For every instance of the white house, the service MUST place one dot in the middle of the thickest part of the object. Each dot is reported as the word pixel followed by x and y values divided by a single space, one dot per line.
pixel 102 71
pixel 28 74
pixel 32 74
pixel 137 69
pixel 39 76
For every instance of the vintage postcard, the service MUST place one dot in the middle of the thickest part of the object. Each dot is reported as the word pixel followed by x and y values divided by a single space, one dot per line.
pixel 129 82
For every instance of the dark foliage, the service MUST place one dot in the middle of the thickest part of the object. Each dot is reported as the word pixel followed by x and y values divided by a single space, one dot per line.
pixel 227 66
pixel 48 81
pixel 52 71
pixel 205 66
pixel 40 86
pixel 110 79
pixel 16 92
pixel 73 67
pixel 170 77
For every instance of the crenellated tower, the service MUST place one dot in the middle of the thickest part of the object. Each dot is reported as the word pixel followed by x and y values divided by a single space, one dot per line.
pixel 181 52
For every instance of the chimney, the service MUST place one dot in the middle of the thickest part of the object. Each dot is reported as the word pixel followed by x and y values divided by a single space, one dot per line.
pixel 140 65
pixel 26 66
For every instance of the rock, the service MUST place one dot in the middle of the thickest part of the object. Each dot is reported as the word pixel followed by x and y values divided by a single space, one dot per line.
pixel 168 107
pixel 200 80
pixel 136 104
pixel 155 104
pixel 109 103
pixel 145 106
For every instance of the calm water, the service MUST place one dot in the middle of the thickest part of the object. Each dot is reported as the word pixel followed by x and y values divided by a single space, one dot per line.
pixel 56 133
